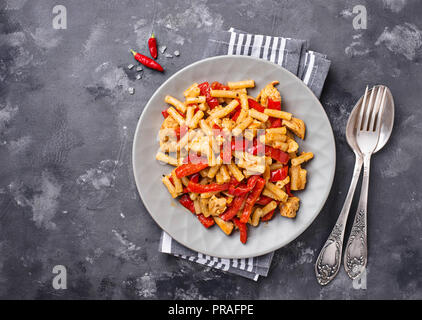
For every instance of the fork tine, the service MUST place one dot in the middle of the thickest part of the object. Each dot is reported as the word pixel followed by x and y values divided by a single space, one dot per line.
pixel 362 109
pixel 369 109
pixel 376 109
pixel 379 115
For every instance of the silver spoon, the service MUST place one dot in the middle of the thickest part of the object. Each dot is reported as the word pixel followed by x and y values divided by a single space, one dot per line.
pixel 328 262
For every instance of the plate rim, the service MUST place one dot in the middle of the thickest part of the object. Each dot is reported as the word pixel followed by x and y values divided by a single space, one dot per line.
pixel 331 137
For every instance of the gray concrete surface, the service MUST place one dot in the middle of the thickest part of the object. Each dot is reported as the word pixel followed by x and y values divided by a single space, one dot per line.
pixel 67 194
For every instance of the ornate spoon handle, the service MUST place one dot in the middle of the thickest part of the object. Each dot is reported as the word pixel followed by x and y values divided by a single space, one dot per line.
pixel 356 252
pixel 329 259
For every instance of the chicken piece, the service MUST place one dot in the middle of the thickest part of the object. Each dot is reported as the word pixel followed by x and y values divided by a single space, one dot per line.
pixel 293 146
pixel 297 126
pixel 216 206
pixel 290 208
pixel 226 226
pixel 270 92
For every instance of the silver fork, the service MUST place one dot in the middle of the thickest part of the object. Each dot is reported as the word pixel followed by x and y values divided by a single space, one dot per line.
pixel 368 127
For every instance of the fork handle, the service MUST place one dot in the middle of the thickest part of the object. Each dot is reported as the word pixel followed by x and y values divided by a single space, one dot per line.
pixel 329 259
pixel 356 251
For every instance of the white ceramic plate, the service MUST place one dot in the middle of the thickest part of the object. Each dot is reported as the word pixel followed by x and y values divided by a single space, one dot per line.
pixel 182 225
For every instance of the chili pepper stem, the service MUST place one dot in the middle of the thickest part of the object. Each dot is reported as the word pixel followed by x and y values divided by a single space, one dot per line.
pixel 133 52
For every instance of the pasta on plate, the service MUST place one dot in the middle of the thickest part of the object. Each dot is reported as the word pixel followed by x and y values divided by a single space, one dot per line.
pixel 235 156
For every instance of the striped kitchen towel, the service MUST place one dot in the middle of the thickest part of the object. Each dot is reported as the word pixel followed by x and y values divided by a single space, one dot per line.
pixel 292 54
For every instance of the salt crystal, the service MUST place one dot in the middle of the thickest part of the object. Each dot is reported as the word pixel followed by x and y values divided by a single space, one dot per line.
pixel 167 55
pixel 162 49
pixel 130 67
pixel 176 53
pixel 138 77
pixel 139 68
pixel 131 90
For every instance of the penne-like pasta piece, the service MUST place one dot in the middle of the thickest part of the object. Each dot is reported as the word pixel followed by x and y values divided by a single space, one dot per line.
pixel 258 115
pixel 179 105
pixel 241 84
pixel 180 120
pixel 192 91
pixel 170 187
pixel 167 159
pixel 278 114
pixel 306 156
pixel 224 94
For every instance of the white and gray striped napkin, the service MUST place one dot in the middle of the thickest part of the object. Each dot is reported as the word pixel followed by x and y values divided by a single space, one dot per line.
pixel 292 54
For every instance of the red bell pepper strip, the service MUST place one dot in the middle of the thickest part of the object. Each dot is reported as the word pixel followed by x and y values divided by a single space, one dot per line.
pixel 255 105
pixel 243 188
pixel 204 188
pixel 236 114
pixel 206 221
pixel 218 86
pixel 288 190
pixel 263 200
pixel 204 89
pixel 279 174
pixel 275 122
pixel 189 168
pixel 152 45
pixel 147 62
pixel 268 216
pixel 243 229
pixel 226 151
pixel 195 178
pixel 277 154
pixel 186 201
pixel 239 145
pixel 274 104
pixel 251 199
pixel 234 208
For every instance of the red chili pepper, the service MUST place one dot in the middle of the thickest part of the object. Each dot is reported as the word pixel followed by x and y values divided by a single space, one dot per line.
pixel 268 216
pixel 288 190
pixel 251 199
pixel 189 168
pixel 255 105
pixel 263 200
pixel 206 221
pixel 243 188
pixel 186 201
pixel 148 62
pixel 152 45
pixel 243 229
pixel 277 154
pixel 279 174
pixel 204 188
pixel 204 89
pixel 234 208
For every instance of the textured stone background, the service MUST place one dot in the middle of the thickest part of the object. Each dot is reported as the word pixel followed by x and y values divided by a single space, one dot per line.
pixel 67 195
